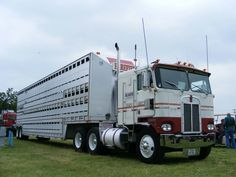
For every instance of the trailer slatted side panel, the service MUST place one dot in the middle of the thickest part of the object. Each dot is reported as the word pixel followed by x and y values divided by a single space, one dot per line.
pixel 46 107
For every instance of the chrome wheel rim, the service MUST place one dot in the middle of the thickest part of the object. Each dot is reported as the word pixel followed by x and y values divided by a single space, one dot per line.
pixel 78 140
pixel 147 146
pixel 92 141
pixel 17 133
pixel 20 133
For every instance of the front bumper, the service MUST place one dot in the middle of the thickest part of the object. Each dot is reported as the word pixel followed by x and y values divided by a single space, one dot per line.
pixel 187 141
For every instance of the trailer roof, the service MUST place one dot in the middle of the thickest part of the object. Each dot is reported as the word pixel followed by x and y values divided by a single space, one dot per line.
pixel 53 73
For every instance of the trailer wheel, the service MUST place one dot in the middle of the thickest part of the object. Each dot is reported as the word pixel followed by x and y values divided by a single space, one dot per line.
pixel 94 144
pixel 148 147
pixel 204 152
pixel 79 141
pixel 19 133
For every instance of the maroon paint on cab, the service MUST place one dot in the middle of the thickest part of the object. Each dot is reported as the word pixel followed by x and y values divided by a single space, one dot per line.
pixel 156 123
pixel 205 122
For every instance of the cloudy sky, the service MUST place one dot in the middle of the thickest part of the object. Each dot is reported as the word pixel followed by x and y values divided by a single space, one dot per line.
pixel 38 37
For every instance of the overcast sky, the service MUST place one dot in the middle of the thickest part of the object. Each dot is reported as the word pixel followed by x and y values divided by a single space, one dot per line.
pixel 38 37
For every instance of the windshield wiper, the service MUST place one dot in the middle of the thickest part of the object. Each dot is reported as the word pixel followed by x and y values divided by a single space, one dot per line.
pixel 172 84
pixel 200 89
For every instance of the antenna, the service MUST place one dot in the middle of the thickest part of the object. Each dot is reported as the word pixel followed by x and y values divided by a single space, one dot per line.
pixel 145 42
pixel 117 79
pixel 207 53
pixel 135 56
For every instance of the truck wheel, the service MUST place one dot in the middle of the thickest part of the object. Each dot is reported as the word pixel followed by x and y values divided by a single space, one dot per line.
pixel 19 133
pixel 79 141
pixel 204 152
pixel 148 147
pixel 94 144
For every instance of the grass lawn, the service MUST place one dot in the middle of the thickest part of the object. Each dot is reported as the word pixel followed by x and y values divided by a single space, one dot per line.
pixel 32 158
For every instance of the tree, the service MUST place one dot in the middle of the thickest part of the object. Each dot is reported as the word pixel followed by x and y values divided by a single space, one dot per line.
pixel 8 100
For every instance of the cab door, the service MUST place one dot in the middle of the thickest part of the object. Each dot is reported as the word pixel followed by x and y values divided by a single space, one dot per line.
pixel 145 95
pixel 127 99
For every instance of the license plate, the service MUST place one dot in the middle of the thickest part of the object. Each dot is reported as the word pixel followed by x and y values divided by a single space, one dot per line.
pixel 190 152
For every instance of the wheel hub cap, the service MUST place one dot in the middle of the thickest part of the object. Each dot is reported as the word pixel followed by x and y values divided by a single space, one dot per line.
pixel 78 140
pixel 147 146
pixel 92 141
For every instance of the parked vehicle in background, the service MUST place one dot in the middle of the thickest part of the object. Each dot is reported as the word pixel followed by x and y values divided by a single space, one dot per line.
pixel 154 109
pixel 219 128
pixel 8 120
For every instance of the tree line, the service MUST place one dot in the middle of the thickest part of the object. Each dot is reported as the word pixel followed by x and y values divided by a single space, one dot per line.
pixel 8 100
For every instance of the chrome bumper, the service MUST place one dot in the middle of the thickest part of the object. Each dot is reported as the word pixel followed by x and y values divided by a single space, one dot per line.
pixel 187 141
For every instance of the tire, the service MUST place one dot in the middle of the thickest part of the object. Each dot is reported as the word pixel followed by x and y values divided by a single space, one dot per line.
pixel 20 133
pixel 204 152
pixel 17 133
pixel 94 144
pixel 79 140
pixel 148 147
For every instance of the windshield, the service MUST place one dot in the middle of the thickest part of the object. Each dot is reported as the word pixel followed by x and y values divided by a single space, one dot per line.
pixel 182 80
pixel 199 83
pixel 172 79
pixel 11 117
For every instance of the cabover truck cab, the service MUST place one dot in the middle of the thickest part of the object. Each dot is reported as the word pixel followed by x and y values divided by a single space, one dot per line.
pixel 167 108
pixel 150 110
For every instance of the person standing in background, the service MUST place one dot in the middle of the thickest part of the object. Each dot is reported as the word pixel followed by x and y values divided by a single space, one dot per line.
pixel 2 136
pixel 220 132
pixel 229 124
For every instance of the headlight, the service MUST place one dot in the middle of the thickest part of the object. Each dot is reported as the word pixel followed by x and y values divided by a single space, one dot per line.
pixel 166 127
pixel 210 127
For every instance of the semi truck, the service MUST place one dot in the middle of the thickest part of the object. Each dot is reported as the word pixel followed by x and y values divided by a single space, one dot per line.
pixel 8 120
pixel 151 110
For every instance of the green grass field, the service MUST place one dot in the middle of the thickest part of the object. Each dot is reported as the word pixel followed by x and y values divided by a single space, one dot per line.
pixel 57 158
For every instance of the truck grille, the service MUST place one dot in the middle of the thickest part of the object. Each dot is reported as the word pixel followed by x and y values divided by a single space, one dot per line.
pixel 191 118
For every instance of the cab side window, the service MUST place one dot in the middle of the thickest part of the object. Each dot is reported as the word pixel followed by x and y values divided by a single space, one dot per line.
pixel 150 78
pixel 144 80
pixel 139 81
